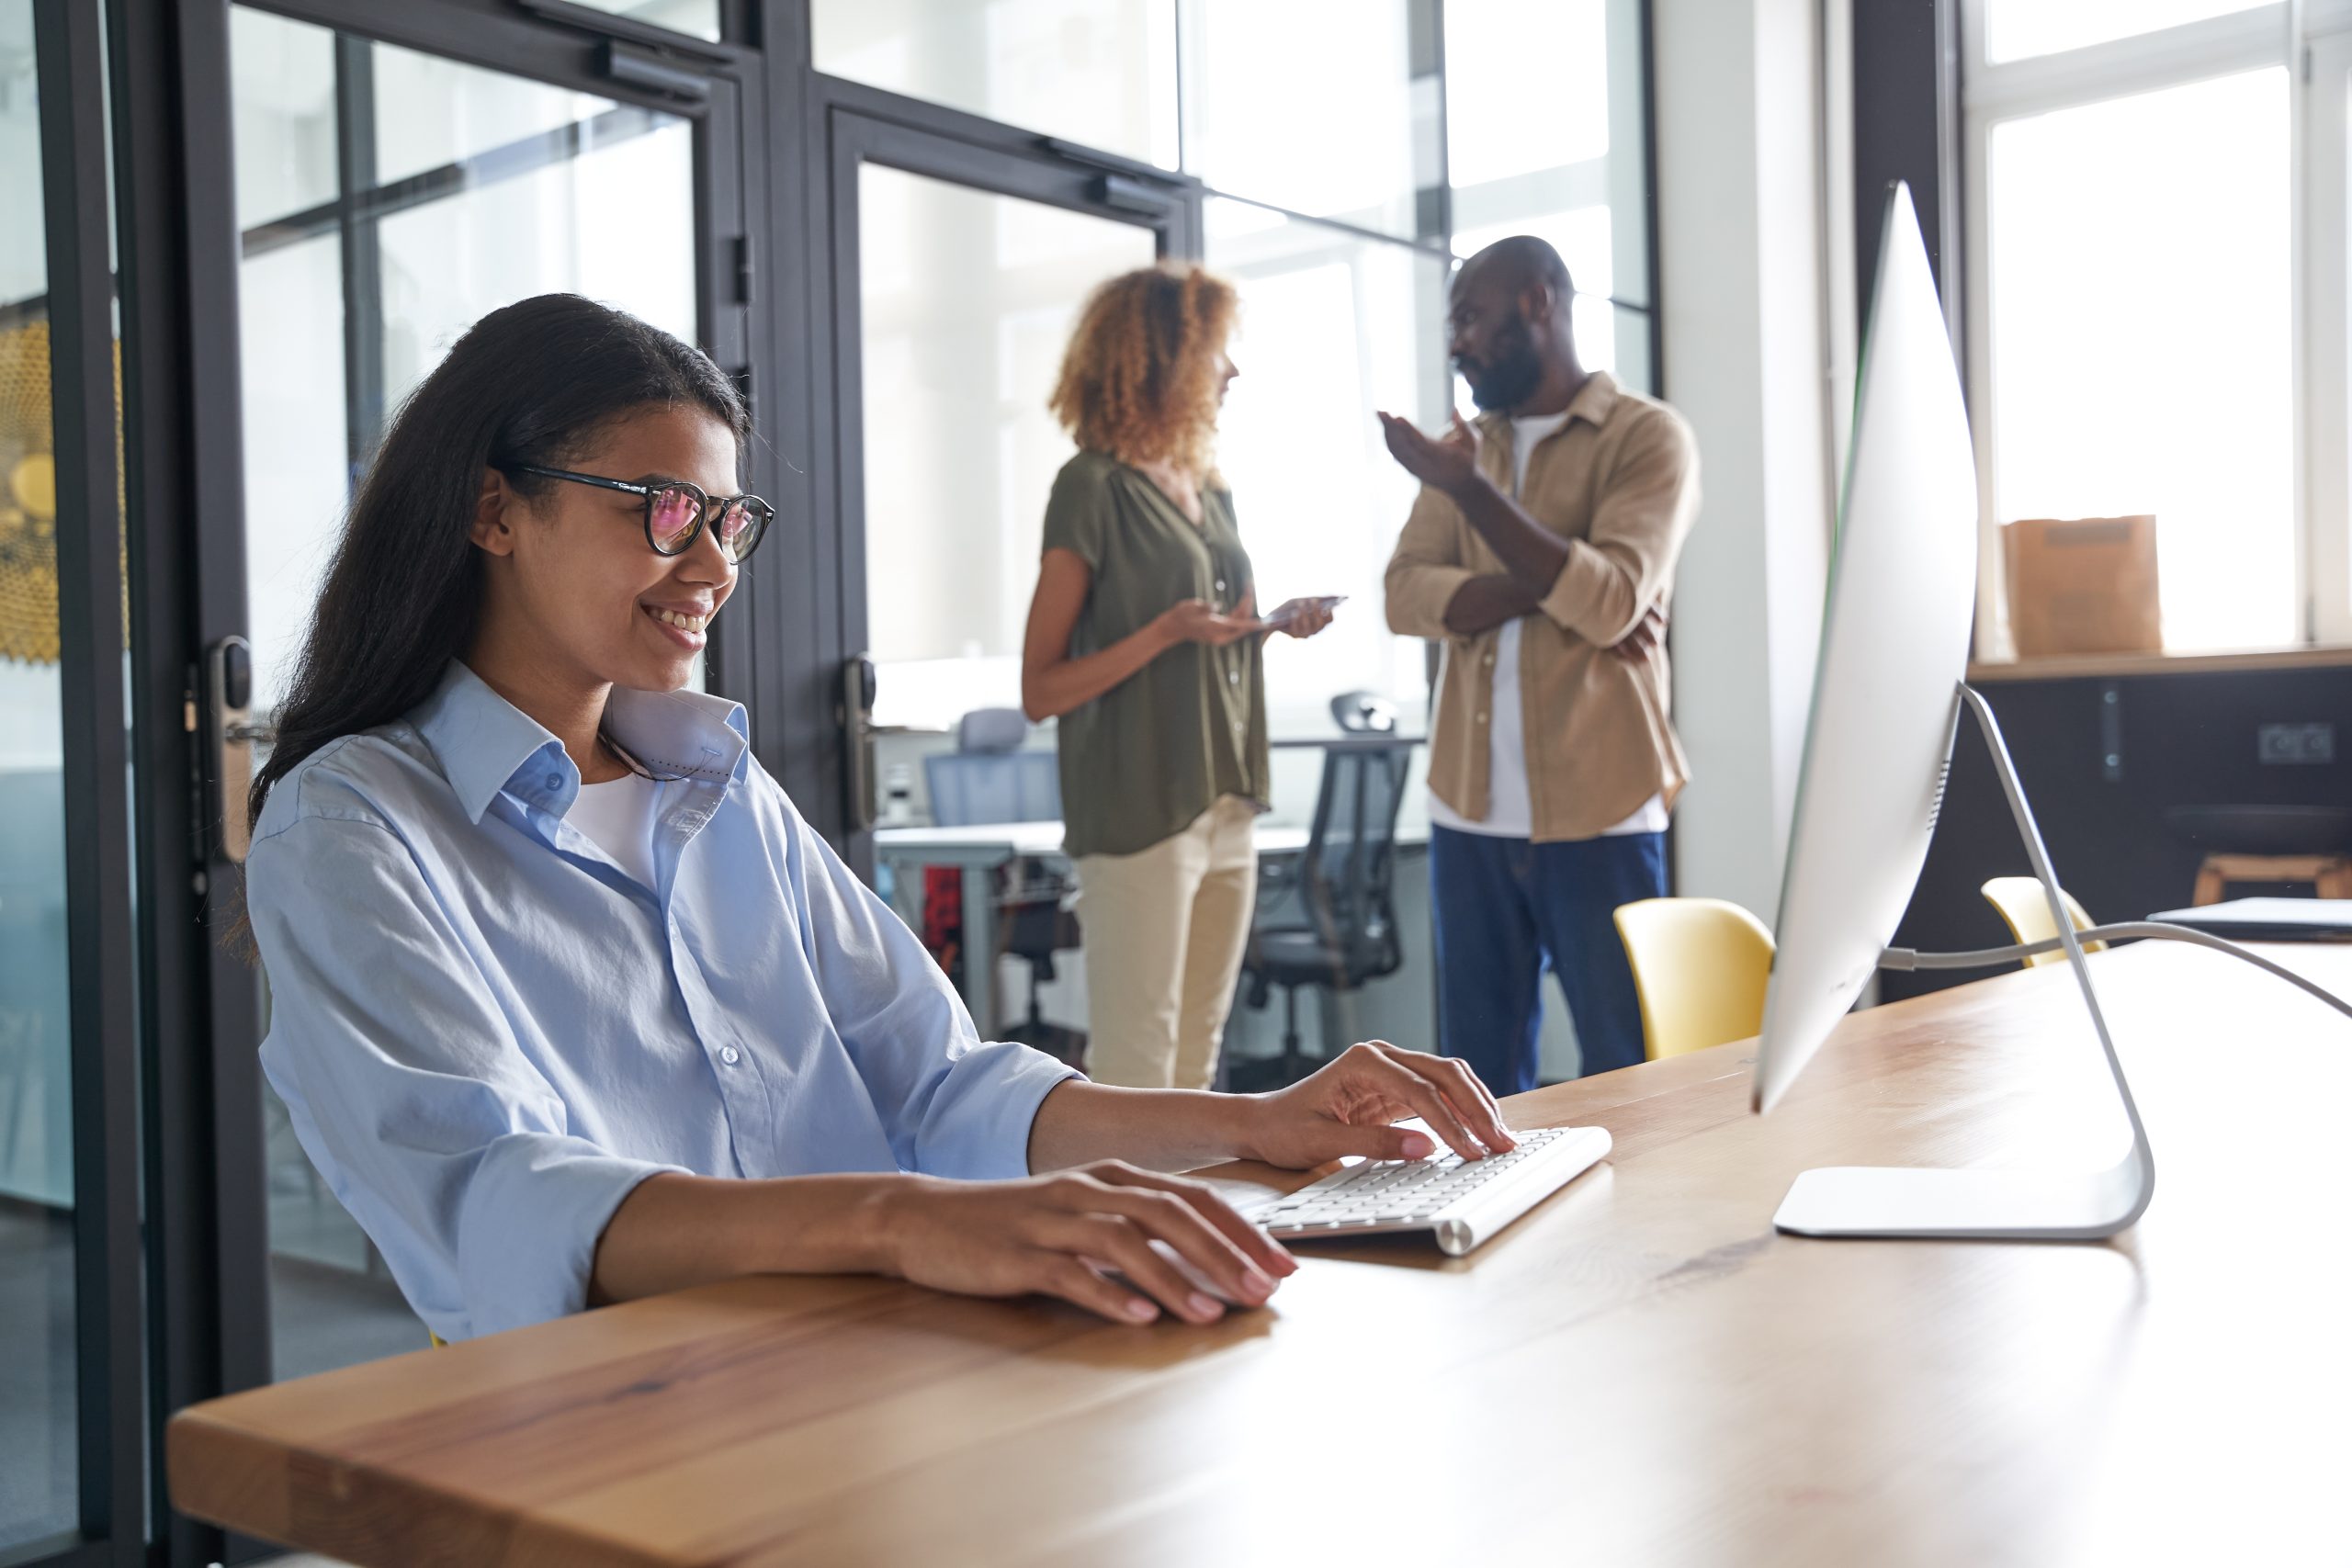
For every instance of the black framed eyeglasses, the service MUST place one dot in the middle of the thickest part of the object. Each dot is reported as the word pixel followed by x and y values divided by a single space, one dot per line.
pixel 675 512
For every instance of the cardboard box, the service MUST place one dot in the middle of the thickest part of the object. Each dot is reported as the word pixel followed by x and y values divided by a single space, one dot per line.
pixel 2084 585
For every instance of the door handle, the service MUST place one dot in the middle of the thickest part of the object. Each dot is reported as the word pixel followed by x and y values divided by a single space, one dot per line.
pixel 858 686
pixel 855 714
pixel 229 736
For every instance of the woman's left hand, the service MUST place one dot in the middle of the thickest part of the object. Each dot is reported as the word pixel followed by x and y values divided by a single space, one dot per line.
pixel 1299 617
pixel 1346 1108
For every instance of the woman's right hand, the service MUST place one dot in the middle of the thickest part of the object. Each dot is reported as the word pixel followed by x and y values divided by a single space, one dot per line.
pixel 1057 1234
pixel 1197 620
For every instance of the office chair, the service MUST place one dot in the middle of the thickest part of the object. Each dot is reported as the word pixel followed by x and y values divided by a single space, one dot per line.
pixel 1701 966
pixel 988 778
pixel 2026 911
pixel 1331 921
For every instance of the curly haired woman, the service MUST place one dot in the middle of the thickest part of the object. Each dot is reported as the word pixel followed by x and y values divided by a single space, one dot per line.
pixel 1144 642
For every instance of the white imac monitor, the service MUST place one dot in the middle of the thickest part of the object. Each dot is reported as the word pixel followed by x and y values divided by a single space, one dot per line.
pixel 1887 696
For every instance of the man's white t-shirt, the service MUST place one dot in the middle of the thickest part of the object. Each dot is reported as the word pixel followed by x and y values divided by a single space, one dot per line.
pixel 1510 812
pixel 619 817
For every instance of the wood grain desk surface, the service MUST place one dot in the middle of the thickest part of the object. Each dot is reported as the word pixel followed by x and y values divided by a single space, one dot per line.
pixel 1639 1372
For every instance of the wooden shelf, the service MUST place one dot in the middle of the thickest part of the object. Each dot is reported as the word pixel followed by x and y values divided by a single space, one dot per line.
pixel 2112 666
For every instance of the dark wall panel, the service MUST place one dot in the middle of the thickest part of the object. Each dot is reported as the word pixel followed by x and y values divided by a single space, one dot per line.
pixel 1907 127
pixel 2180 740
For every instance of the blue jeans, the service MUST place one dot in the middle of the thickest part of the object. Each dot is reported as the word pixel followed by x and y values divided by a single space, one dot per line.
pixel 1505 910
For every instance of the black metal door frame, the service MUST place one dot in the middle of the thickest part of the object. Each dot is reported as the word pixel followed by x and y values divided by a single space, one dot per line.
pixel 101 986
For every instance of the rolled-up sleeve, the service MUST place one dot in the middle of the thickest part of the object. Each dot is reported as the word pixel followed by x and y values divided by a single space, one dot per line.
pixel 1426 571
pixel 952 1103
pixel 1620 569
pixel 409 1091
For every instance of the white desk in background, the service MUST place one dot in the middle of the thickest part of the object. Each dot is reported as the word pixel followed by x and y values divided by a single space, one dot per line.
pixel 978 851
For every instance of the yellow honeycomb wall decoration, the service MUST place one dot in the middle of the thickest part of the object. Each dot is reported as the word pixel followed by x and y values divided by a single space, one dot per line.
pixel 29 628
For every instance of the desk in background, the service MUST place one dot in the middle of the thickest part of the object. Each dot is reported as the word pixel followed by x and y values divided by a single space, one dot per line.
pixel 978 852
pixel 1640 1370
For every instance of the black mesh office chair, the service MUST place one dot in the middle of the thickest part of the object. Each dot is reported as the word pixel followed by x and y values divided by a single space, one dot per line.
pixel 1329 920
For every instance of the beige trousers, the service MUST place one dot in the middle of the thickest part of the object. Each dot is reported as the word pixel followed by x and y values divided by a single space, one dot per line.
pixel 1163 931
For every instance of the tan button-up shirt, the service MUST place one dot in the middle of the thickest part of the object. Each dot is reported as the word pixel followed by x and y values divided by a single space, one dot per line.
pixel 1619 482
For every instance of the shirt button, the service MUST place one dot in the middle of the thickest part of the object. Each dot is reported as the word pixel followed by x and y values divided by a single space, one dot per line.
pixel 729 1054
pixel 1233 676
pixel 1491 658
pixel 1220 585
pixel 1482 718
pixel 555 780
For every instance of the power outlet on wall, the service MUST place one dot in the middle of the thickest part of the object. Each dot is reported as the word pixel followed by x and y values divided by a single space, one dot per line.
pixel 2296 743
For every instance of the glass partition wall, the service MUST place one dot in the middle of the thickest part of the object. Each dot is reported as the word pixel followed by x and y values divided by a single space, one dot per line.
pixel 71 1443
pixel 1338 200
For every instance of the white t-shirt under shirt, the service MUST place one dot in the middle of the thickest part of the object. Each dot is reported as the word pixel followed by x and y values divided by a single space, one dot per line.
pixel 1511 814
pixel 619 817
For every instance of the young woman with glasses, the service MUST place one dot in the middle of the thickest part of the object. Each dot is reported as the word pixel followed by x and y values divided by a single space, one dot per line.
pixel 569 1004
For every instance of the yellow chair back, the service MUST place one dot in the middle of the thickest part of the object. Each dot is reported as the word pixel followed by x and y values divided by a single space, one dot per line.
pixel 2025 912
pixel 1700 967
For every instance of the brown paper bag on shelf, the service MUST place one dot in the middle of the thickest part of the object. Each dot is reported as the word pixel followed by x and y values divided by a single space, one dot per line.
pixel 2084 585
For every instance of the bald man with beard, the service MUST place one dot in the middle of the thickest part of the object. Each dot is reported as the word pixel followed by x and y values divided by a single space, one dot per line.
pixel 1540 555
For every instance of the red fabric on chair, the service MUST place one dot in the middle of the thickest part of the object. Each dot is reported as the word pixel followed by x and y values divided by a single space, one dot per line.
pixel 943 919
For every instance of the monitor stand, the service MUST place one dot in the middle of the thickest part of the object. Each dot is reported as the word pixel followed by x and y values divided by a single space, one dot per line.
pixel 1993 1205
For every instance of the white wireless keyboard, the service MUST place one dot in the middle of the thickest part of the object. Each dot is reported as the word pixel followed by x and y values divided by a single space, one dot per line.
pixel 1463 1201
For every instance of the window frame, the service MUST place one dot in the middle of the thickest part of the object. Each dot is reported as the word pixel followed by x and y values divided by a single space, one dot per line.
pixel 2295 34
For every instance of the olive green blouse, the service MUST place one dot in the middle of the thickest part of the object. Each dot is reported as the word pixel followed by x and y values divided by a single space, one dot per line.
pixel 1140 761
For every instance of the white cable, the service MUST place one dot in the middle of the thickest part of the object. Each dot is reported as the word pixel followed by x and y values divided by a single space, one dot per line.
pixel 1905 958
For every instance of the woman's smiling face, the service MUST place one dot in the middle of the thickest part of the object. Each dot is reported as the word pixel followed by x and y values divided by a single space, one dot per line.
pixel 575 582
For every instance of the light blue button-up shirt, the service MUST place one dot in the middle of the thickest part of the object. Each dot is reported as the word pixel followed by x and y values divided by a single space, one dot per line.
pixel 488 1033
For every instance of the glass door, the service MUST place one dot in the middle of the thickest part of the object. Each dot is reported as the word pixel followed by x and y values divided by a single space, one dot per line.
pixel 386 198
pixel 69 1427
pixel 958 280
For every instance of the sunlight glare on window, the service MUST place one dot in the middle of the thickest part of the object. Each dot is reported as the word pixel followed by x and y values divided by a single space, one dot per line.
pixel 2140 285
pixel 1527 86
pixel 2015 30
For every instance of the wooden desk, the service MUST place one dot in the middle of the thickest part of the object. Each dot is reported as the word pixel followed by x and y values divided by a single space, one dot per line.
pixel 1639 1372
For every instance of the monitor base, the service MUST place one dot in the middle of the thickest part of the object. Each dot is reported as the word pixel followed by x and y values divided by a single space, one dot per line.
pixel 1991 1206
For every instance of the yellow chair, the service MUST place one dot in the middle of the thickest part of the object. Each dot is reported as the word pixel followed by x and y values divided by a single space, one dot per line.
pixel 2026 911
pixel 1701 966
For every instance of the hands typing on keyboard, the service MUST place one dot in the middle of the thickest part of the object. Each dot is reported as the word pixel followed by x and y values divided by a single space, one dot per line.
pixel 1461 1203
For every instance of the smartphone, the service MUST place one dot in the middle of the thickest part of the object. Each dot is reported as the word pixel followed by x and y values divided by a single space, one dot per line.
pixel 1283 615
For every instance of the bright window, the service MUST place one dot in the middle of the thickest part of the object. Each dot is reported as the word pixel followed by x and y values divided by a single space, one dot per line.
pixel 1355 139
pixel 2140 280
pixel 2157 305
pixel 2015 29
pixel 1333 327
pixel 1100 71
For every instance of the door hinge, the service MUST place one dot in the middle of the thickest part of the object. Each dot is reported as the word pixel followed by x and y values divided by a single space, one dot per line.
pixel 643 68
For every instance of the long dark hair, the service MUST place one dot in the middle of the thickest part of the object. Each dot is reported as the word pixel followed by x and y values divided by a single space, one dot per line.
pixel 535 382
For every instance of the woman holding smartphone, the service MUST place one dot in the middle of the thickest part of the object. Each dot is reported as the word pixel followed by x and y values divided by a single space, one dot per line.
pixel 1144 642
pixel 570 1006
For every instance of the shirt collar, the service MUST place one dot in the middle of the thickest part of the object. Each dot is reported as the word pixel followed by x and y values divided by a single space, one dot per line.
pixel 1594 403
pixel 692 733
pixel 486 744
